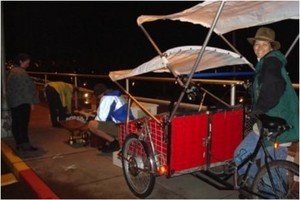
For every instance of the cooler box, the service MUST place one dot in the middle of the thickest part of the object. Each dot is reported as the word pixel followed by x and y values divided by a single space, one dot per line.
pixel 138 113
pixel 195 141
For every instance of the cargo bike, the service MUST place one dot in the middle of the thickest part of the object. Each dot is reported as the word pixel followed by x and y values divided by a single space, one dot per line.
pixel 202 143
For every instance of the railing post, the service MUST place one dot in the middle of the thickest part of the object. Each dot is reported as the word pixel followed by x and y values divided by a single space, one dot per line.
pixel 76 93
pixel 232 95
pixel 127 85
pixel 46 78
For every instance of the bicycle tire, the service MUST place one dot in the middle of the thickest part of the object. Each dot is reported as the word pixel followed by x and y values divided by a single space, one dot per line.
pixel 137 167
pixel 287 188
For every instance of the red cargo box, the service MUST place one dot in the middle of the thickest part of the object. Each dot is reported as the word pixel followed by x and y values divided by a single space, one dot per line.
pixel 226 134
pixel 195 141
pixel 187 143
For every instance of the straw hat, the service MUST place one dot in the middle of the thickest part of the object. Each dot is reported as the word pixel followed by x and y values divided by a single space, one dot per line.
pixel 265 34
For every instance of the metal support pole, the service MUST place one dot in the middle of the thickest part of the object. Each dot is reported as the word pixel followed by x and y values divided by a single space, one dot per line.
pixel 128 107
pixel 128 115
pixel 201 103
pixel 215 97
pixel 160 53
pixel 76 93
pixel 151 40
pixel 292 46
pixel 197 62
pixel 127 85
pixel 232 95
pixel 231 46
pixel 46 79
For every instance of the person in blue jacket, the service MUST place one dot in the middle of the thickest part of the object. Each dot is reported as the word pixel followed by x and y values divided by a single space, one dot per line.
pixel 111 111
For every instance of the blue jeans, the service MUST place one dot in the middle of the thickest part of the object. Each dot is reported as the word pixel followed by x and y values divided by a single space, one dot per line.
pixel 247 147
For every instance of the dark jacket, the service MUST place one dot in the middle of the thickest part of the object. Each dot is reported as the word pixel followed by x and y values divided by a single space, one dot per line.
pixel 274 95
pixel 20 88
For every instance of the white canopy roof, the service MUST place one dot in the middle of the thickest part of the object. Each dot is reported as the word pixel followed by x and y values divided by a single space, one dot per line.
pixel 181 60
pixel 235 14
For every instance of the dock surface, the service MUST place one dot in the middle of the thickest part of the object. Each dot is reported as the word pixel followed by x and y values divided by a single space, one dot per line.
pixel 72 172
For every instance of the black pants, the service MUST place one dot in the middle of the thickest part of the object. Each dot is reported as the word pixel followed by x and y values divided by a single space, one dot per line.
pixel 57 111
pixel 20 120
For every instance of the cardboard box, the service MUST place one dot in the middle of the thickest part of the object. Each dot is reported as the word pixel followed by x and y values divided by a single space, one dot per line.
pixel 116 160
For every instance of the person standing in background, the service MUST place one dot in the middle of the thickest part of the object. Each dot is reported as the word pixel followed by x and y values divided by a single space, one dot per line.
pixel 21 96
pixel 59 96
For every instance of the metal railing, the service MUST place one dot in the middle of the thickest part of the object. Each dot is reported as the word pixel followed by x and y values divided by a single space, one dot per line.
pixel 74 77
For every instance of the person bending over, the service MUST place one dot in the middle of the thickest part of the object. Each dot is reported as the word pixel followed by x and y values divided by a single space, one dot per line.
pixel 59 96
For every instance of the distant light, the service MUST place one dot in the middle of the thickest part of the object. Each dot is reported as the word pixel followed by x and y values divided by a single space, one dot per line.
pixel 241 100
pixel 133 83
pixel 224 85
pixel 84 84
pixel 86 95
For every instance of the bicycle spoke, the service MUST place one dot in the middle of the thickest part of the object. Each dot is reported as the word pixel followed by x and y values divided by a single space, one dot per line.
pixel 136 166
pixel 278 182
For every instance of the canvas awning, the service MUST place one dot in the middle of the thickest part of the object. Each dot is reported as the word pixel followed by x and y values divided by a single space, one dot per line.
pixel 235 14
pixel 181 60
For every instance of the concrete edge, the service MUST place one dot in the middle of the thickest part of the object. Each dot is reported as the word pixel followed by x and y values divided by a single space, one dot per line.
pixel 23 172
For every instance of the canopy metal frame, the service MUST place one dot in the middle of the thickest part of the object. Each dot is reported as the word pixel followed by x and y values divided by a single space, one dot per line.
pixel 186 84
pixel 181 83
pixel 197 62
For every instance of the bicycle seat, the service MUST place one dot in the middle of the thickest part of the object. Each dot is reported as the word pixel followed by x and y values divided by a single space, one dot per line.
pixel 272 123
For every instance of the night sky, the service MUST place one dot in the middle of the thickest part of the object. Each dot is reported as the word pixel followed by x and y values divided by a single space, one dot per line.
pixel 99 37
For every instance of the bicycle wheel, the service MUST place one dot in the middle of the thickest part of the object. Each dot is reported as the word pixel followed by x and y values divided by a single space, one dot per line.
pixel 137 167
pixel 282 183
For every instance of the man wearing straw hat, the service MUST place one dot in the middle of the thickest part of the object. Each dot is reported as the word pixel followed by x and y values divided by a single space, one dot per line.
pixel 273 95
